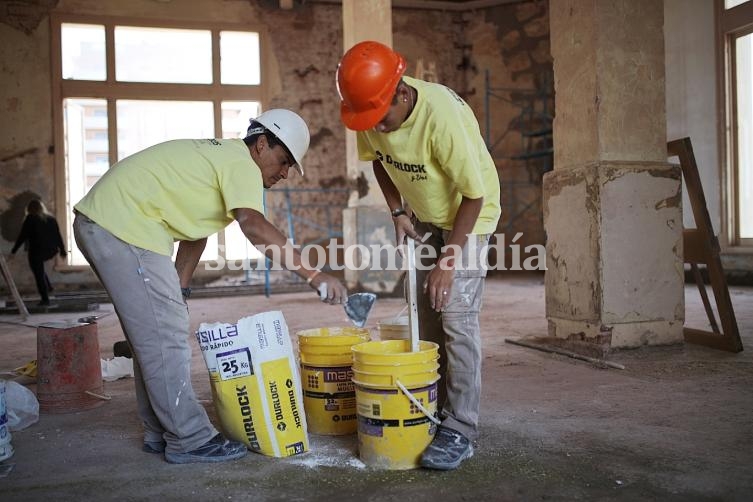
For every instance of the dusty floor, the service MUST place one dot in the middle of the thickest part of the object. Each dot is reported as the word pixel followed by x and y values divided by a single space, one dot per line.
pixel 676 424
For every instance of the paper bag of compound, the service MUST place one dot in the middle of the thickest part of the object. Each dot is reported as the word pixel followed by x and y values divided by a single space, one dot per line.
pixel 255 383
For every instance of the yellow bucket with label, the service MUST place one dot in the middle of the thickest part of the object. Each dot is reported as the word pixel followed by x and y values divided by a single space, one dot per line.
pixel 328 393
pixel 396 400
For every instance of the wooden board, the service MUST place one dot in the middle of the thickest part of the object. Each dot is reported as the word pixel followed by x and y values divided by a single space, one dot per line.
pixel 701 247
pixel 12 286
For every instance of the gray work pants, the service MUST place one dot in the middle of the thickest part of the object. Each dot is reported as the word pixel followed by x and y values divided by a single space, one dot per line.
pixel 456 330
pixel 145 291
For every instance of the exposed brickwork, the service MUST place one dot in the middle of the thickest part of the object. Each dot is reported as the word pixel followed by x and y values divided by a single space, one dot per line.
pixel 303 47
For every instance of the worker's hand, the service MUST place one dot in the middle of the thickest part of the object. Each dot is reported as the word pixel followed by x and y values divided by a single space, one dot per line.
pixel 439 287
pixel 403 227
pixel 329 288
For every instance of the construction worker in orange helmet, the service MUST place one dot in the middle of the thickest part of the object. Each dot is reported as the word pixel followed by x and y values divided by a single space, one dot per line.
pixel 427 154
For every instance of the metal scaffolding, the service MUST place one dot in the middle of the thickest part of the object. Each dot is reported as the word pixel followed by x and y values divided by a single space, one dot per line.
pixel 535 155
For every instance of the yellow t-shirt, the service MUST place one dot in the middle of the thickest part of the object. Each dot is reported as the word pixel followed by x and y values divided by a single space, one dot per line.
pixel 184 189
pixel 436 157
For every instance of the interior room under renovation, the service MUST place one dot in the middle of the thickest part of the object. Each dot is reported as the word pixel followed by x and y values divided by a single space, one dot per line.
pixel 376 250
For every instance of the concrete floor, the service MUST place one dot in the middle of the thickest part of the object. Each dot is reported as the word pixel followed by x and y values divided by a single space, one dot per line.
pixel 675 424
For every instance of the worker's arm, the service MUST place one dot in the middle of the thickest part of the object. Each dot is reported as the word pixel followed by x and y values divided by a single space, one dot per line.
pixel 403 225
pixel 265 236
pixel 189 253
pixel 440 278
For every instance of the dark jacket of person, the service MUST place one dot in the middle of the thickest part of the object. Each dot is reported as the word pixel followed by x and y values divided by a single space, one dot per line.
pixel 41 235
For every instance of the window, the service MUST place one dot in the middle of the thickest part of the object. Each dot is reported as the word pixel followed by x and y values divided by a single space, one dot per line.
pixel 744 112
pixel 163 55
pixel 736 30
pixel 119 87
pixel 728 4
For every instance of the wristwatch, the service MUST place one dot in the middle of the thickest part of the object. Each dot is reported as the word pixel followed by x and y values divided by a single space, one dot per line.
pixel 186 292
pixel 398 212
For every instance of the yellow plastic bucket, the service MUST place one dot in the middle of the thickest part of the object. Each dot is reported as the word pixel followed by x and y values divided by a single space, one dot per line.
pixel 328 394
pixel 392 386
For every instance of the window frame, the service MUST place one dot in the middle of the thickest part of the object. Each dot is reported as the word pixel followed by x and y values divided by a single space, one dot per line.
pixel 112 90
pixel 730 24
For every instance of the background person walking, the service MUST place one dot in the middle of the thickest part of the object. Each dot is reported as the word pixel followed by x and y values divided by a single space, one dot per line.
pixel 40 234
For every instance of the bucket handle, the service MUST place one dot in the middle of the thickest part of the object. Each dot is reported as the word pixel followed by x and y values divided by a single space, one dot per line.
pixel 413 400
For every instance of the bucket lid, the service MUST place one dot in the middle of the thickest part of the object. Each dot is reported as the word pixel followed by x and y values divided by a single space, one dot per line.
pixel 345 335
pixel 394 352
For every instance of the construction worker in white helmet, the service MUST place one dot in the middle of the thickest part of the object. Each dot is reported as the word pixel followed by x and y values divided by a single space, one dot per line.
pixel 185 190
pixel 427 153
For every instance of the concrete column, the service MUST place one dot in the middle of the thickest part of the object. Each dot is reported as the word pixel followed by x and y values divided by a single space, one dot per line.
pixel 366 221
pixel 612 205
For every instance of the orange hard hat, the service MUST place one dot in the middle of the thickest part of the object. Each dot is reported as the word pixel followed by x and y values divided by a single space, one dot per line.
pixel 367 77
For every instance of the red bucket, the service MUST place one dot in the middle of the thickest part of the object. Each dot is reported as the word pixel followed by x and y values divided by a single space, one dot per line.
pixel 69 372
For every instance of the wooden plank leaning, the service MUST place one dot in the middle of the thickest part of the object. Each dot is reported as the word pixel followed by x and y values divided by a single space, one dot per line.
pixel 701 247
pixel 12 286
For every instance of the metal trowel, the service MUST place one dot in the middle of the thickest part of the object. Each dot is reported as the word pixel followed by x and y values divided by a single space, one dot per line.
pixel 357 306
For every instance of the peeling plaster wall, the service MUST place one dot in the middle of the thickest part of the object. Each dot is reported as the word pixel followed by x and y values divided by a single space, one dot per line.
pixel 641 210
pixel 572 287
pixel 26 167
pixel 26 135
pixel 611 151
pixel 304 46
pixel 614 254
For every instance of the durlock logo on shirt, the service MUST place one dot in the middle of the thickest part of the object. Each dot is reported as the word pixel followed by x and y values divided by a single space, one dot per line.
pixel 418 169
pixel 454 95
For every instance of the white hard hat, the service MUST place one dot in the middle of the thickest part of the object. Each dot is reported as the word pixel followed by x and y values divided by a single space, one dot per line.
pixel 290 129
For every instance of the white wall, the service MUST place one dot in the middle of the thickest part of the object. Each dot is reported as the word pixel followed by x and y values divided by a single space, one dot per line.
pixel 691 93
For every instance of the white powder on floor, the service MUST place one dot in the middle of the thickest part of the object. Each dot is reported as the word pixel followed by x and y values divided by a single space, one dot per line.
pixel 322 455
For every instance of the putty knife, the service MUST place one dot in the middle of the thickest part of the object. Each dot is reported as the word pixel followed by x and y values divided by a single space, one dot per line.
pixel 357 306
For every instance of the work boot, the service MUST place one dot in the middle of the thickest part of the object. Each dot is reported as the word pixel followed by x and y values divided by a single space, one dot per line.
pixel 217 449
pixel 447 450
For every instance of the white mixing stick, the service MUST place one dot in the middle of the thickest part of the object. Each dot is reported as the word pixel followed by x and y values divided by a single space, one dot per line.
pixel 412 295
